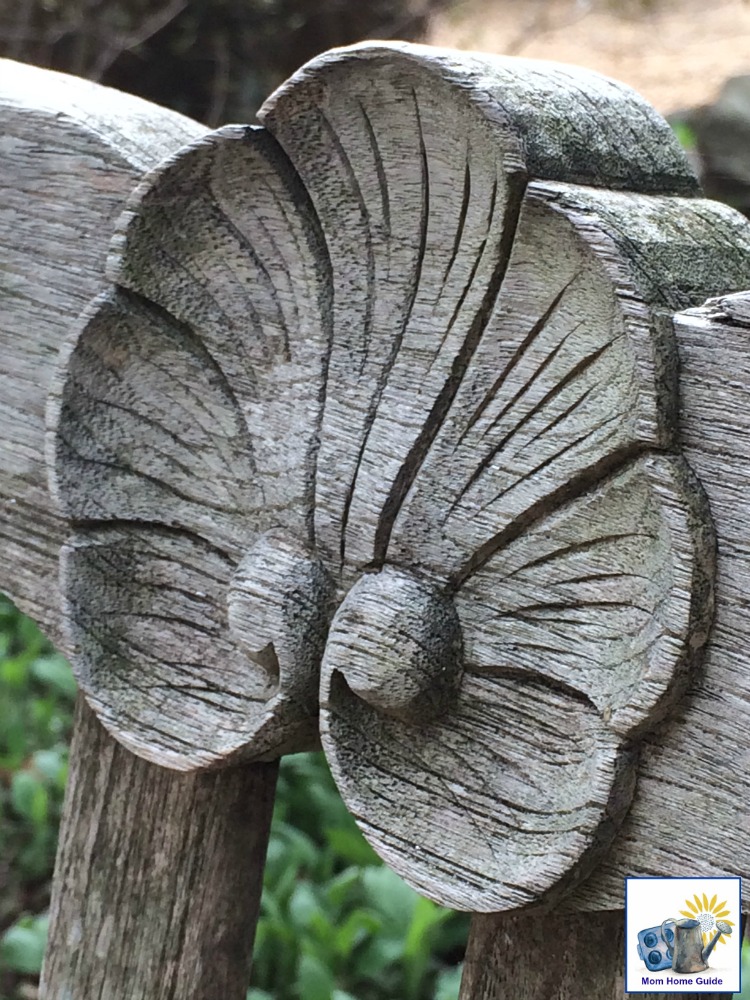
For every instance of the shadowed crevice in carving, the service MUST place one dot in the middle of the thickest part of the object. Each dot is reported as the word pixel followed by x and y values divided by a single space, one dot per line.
pixel 93 527
pixel 356 191
pixel 419 450
pixel 465 201
pixel 573 548
pixel 478 260
pixel 377 157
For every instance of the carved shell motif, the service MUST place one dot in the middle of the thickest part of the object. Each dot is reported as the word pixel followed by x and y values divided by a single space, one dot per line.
pixel 380 417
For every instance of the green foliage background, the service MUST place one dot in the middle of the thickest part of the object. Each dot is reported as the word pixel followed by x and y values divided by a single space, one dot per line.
pixel 335 924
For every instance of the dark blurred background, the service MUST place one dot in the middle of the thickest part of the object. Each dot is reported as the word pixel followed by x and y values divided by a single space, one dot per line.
pixel 214 60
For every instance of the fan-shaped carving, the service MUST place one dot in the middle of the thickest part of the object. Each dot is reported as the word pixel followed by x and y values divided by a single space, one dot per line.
pixel 387 389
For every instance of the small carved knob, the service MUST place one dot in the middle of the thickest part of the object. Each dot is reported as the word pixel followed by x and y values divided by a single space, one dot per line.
pixel 396 641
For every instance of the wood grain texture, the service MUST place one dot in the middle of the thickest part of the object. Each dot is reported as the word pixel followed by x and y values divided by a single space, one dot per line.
pixel 158 875
pixel 693 768
pixel 416 160
pixel 549 956
pixel 195 431
pixel 416 336
pixel 70 154
pixel 556 369
pixel 157 893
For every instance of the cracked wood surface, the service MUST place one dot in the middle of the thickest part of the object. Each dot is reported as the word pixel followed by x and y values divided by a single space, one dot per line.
pixel 157 878
pixel 416 333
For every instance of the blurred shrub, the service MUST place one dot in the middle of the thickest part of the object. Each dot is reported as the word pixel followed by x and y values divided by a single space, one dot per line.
pixel 335 924
pixel 36 704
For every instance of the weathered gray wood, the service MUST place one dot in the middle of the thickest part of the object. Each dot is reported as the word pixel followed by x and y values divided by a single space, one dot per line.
pixel 200 423
pixel 501 354
pixel 71 152
pixel 158 875
pixel 420 334
pixel 416 160
pixel 545 955
pixel 696 765
pixel 376 453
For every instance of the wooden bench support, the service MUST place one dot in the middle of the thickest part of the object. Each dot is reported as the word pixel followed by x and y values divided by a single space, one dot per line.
pixel 158 876
pixel 550 956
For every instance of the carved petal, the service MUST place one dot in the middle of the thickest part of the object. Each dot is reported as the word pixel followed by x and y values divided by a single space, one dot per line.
pixel 610 595
pixel 579 631
pixel 493 804
pixel 416 161
pixel 170 646
pixel 196 409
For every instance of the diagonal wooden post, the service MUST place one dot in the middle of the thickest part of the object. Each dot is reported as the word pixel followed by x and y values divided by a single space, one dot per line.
pixel 158 875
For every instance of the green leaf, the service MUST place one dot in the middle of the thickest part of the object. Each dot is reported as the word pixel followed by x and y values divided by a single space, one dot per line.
pixel 342 888
pixel 314 979
pixel 259 995
pixel 29 797
pixel 357 926
pixel 22 947
pixel 51 764
pixel 448 984
pixel 14 672
pixel 54 670
pixel 303 904
pixel 685 134
pixel 351 846
pixel 391 897
pixel 425 917
pixel 378 955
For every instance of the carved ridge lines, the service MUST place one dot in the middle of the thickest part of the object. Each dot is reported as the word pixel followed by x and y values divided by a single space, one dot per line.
pixel 478 260
pixel 579 368
pixel 377 157
pixel 584 481
pixel 466 198
pixel 395 347
pixel 519 352
pixel 417 398
pixel 367 226
pixel 419 450
pixel 243 241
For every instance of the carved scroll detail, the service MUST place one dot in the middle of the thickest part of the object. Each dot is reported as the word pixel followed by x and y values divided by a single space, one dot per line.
pixel 385 400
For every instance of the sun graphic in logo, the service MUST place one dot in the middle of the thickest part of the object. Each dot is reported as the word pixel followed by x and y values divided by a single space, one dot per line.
pixel 707 913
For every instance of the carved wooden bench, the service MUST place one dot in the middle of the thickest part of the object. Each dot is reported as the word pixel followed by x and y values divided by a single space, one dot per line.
pixel 393 427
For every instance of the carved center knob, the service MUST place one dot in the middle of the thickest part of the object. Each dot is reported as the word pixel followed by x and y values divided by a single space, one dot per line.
pixel 396 640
